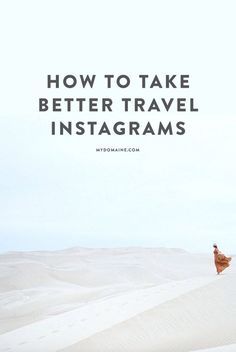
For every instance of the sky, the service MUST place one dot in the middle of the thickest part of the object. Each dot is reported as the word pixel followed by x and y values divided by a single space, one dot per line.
pixel 178 191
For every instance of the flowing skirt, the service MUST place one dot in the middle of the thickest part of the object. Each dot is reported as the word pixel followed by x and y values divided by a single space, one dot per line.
pixel 221 262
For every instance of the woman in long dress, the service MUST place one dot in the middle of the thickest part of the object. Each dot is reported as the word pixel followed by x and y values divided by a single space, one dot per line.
pixel 221 261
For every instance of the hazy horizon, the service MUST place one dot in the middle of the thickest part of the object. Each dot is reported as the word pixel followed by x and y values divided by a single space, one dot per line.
pixel 39 250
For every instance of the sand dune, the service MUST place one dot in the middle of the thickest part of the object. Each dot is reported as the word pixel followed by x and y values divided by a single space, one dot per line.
pixel 202 318
pixel 123 299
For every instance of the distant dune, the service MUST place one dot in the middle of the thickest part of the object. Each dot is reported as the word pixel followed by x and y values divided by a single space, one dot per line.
pixel 112 300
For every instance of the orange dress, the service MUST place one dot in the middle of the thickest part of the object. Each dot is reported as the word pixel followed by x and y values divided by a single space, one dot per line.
pixel 221 261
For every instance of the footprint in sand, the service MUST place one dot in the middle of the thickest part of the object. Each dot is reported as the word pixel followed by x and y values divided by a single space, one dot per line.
pixel 22 343
pixel 55 331
pixel 42 337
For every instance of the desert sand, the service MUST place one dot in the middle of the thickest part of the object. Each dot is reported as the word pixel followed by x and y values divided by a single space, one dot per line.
pixel 111 300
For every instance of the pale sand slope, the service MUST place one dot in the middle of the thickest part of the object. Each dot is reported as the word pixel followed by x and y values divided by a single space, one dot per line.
pixel 55 333
pixel 35 285
pixel 203 318
pixel 51 300
pixel 226 348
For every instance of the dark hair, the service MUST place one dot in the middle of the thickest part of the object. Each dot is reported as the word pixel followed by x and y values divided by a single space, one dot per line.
pixel 215 245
